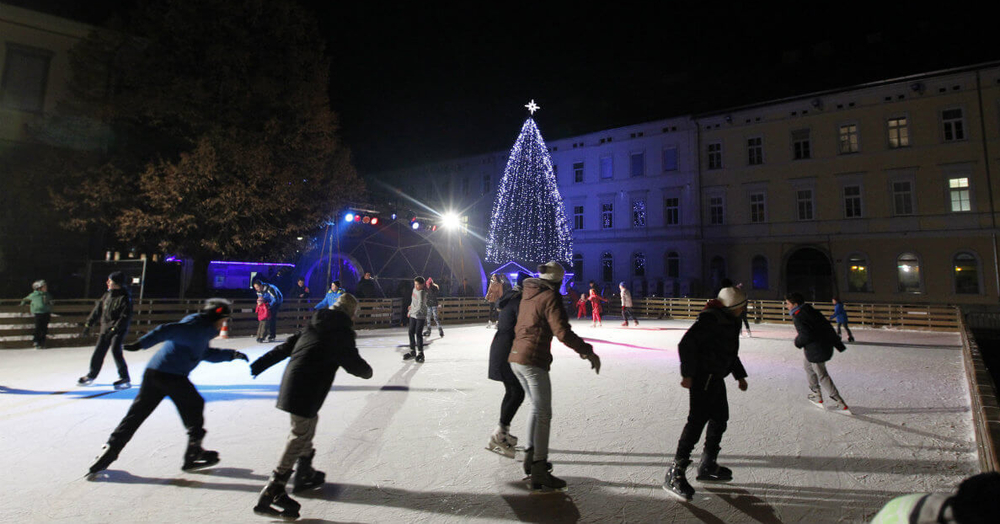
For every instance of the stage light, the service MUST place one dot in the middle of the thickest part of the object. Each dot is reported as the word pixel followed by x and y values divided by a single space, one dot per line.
pixel 374 221
pixel 349 217
pixel 394 216
pixel 357 218
pixel 450 221
pixel 434 227
pixel 366 219
pixel 415 224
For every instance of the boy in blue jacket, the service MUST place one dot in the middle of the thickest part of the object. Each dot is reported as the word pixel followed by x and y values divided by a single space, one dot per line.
pixel 331 296
pixel 185 345
pixel 841 317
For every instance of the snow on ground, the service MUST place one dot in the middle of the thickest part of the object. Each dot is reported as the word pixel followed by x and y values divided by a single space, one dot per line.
pixel 408 445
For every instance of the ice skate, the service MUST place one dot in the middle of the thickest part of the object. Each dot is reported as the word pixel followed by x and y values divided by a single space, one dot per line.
pixel 305 476
pixel 122 384
pixel 636 322
pixel 542 479
pixel 411 355
pixel 529 458
pixel 625 324
pixel 816 398
pixel 500 446
pixel 440 332
pixel 104 459
pixel 84 381
pixel 710 471
pixel 420 357
pixel 676 482
pixel 838 405
pixel 850 339
pixel 196 458
pixel 427 333
pixel 274 500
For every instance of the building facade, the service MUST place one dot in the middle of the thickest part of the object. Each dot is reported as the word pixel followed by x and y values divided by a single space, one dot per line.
pixel 881 192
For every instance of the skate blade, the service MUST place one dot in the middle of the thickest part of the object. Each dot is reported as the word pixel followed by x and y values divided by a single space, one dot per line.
pixel 123 386
pixel 547 491
pixel 501 451
pixel 818 405
pixel 268 511
pixel 711 479
pixel 846 412
pixel 200 465
pixel 676 495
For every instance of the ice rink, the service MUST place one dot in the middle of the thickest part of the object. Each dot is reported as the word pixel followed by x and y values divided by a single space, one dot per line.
pixel 408 444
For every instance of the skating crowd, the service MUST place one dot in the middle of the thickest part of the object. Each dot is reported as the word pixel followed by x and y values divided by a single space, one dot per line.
pixel 527 316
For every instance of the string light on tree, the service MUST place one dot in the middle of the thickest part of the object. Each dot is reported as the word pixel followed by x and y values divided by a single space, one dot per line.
pixel 529 221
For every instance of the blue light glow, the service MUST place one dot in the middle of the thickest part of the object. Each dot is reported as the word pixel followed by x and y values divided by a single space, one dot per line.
pixel 349 217
pixel 415 225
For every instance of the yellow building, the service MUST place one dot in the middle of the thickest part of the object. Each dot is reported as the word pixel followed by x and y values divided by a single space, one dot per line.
pixel 882 192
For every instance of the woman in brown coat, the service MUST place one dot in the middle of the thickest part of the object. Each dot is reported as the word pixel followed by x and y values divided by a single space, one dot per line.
pixel 493 294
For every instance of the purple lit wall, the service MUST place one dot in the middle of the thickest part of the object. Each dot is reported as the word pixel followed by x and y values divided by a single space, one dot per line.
pixel 236 275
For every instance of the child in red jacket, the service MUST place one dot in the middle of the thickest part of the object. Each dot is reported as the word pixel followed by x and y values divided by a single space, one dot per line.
pixel 595 305
pixel 263 314
pixel 581 307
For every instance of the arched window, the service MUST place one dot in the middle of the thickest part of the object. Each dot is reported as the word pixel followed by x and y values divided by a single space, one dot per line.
pixel 966 271
pixel 577 267
pixel 857 273
pixel 908 273
pixel 758 268
pixel 639 264
pixel 673 265
pixel 717 271
pixel 607 267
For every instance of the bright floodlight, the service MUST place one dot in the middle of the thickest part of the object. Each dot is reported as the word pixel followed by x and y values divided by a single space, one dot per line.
pixel 349 217
pixel 415 225
pixel 450 221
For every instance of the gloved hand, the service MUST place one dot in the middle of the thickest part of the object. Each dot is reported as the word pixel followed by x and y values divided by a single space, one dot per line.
pixel 85 332
pixel 237 355
pixel 595 361
pixel 134 346
pixel 256 368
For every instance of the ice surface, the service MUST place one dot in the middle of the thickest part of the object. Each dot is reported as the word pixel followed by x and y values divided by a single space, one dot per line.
pixel 408 445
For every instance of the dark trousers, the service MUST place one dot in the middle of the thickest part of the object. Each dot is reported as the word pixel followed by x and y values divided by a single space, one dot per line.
pixel 41 327
pixel 417 334
pixel 627 313
pixel 708 405
pixel 513 396
pixel 849 335
pixel 494 312
pixel 272 323
pixel 105 341
pixel 155 386
pixel 743 317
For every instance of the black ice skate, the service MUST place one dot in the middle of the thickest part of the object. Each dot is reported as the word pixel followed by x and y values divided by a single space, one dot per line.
pixel 84 381
pixel 196 458
pixel 420 357
pixel 305 476
pixel 104 459
pixel 529 458
pixel 711 471
pixel 122 384
pixel 274 500
pixel 441 332
pixel 542 479
pixel 409 356
pixel 676 482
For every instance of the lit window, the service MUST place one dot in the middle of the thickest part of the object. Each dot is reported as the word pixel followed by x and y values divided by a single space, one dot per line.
pixel 857 274
pixel 959 192
pixel 908 273
pixel 849 138
pixel 638 213
pixel 899 133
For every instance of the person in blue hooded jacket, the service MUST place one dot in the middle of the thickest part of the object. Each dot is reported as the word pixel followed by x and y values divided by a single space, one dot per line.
pixel 185 345
pixel 273 297
pixel 331 296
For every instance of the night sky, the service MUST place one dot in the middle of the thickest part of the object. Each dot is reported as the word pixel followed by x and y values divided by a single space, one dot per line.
pixel 415 83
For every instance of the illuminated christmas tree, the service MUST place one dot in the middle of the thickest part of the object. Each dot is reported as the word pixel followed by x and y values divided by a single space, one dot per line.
pixel 529 223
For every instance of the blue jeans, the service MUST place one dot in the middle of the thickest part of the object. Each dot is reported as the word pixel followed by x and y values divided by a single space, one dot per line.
pixel 536 383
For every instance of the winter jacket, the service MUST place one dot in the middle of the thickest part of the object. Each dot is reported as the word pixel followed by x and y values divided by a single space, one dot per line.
pixel 272 295
pixel 504 337
pixel 367 289
pixel 494 292
pixel 710 347
pixel 41 302
pixel 330 299
pixel 185 345
pixel 839 314
pixel 595 300
pixel 432 295
pixel 263 313
pixel 626 298
pixel 541 316
pixel 418 304
pixel 300 291
pixel 113 310
pixel 314 354
pixel 815 334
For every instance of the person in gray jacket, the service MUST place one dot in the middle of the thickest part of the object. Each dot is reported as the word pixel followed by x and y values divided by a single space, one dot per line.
pixel 626 305
pixel 417 313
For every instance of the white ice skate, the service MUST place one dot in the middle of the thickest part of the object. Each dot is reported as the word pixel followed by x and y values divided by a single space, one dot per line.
pixel 500 446
pixel 838 405
pixel 817 399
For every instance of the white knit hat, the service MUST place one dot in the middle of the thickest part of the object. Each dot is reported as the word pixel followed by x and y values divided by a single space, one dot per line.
pixel 732 297
pixel 551 271
pixel 38 284
pixel 346 304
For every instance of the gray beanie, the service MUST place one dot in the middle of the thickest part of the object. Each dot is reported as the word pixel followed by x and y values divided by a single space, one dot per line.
pixel 346 304
pixel 38 284
pixel 732 297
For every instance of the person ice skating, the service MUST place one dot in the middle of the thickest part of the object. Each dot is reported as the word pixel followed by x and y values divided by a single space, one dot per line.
pixel 367 288
pixel 501 441
pixel 841 317
pixel 595 305
pixel 817 338
pixel 974 503
pixel 417 313
pixel 581 307
pixel 626 305
pixel 314 354
pixel 300 290
pixel 541 316
pixel 114 312
pixel 433 292
pixel 493 294
pixel 272 295
pixel 185 345
pixel 709 352
pixel 40 305
pixel 331 296
pixel 743 317
pixel 263 314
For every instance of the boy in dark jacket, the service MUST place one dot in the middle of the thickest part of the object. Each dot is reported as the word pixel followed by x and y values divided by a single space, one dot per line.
pixel 816 336
pixel 185 345
pixel 314 355
pixel 114 311
pixel 709 352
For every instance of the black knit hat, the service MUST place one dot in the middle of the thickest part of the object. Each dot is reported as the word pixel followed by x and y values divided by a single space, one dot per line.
pixel 216 308
pixel 117 277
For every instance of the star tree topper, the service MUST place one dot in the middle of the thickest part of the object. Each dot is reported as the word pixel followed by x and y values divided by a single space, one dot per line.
pixel 532 106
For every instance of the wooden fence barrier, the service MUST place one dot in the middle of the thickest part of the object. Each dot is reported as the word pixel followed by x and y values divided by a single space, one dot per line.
pixel 16 325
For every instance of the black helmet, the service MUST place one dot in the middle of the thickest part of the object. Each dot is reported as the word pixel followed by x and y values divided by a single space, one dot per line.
pixel 216 308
